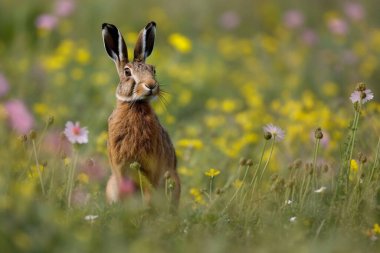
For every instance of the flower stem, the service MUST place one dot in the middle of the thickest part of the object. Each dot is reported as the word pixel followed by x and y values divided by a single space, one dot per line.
pixel 210 190
pixel 71 177
pixel 316 148
pixel 352 142
pixel 141 186
pixel 375 161
pixel 259 165
pixel 38 167
pixel 270 156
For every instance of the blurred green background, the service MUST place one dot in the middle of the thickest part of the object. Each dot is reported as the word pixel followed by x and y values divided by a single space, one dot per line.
pixel 229 68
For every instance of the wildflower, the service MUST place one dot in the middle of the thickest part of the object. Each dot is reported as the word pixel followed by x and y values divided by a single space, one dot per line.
pixel 197 194
pixel 90 217
pixel 293 19
pixel 354 11
pixel 309 37
pixel 83 178
pixel 293 219
pixel 376 228
pixel 64 8
pixel 354 165
pixel 288 202
pixel 46 22
pixel 275 131
pixel 318 134
pixel 229 20
pixel 361 96
pixel 76 134
pixel 181 43
pixel 321 189
pixel 237 183
pixel 212 172
pixel 19 116
pixel 337 26
pixel 4 86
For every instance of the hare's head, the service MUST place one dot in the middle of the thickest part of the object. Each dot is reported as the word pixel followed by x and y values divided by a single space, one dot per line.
pixel 137 79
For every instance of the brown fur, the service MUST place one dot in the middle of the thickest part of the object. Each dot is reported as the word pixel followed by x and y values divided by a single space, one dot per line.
pixel 135 133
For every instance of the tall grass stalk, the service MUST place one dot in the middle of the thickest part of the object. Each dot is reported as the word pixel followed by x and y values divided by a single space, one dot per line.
pixel 269 158
pixel 38 166
pixel 71 178
pixel 352 141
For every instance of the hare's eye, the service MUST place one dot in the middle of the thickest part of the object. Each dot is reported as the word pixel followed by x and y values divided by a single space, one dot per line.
pixel 127 72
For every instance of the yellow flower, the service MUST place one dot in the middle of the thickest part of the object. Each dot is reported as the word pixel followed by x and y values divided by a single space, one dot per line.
pixel 354 165
pixel 212 172
pixel 191 143
pixel 82 56
pixel 83 178
pixel 376 228
pixel 198 198
pixel 181 43
pixel 34 171
pixel 237 183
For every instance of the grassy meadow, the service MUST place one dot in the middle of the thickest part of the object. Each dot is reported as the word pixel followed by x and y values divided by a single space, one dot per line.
pixel 307 183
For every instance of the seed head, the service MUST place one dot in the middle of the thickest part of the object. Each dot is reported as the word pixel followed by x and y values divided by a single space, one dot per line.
pixel 318 133
pixel 243 161
pixel 32 134
pixel 249 162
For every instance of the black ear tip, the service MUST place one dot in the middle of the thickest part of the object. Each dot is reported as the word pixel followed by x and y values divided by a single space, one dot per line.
pixel 109 26
pixel 150 25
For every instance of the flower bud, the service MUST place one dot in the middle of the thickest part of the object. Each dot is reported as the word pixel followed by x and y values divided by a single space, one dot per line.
pixel 50 121
pixel 361 87
pixel 249 162
pixel 32 134
pixel 243 161
pixel 318 133
pixel 267 136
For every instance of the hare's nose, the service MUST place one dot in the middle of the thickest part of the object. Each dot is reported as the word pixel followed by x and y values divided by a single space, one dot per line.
pixel 151 85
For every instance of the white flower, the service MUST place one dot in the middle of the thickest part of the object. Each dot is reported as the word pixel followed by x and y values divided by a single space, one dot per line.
pixel 293 219
pixel 320 190
pixel 275 131
pixel 361 96
pixel 76 134
pixel 90 217
pixel 288 202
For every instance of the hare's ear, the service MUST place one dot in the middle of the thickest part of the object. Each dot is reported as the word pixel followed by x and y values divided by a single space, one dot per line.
pixel 114 43
pixel 145 42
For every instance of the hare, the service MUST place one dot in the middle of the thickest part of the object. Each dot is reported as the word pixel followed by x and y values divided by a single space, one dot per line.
pixel 134 131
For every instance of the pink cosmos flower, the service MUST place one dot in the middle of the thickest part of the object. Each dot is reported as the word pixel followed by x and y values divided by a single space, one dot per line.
pixel 46 22
pixel 64 8
pixel 19 117
pixel 361 96
pixel 354 11
pixel 293 19
pixel 76 134
pixel 4 86
pixel 337 26
pixel 275 131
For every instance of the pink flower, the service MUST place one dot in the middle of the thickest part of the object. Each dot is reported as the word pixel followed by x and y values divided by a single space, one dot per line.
pixel 309 37
pixel 361 96
pixel 46 22
pixel 229 20
pixel 64 8
pixel 275 131
pixel 337 26
pixel 293 19
pixel 126 187
pixel 94 169
pixel 354 11
pixel 4 86
pixel 20 119
pixel 76 134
